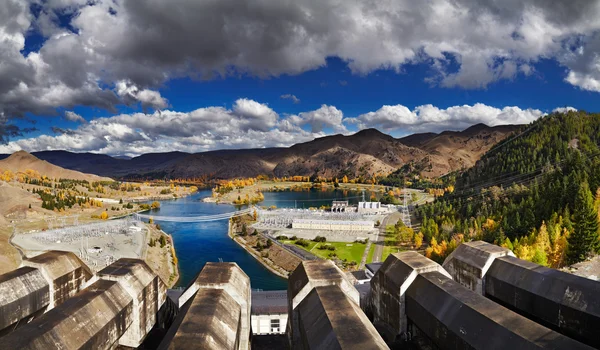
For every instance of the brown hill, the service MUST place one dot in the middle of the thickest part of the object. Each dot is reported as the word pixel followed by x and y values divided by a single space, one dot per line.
pixel 366 153
pixel 21 161
pixel 455 150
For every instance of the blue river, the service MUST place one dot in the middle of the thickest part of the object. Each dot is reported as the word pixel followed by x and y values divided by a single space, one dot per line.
pixel 199 243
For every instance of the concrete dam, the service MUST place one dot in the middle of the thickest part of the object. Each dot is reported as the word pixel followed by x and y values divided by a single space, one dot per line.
pixel 482 297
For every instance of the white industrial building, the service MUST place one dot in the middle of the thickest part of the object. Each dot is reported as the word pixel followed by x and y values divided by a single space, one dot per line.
pixel 269 312
pixel 371 208
pixel 340 206
pixel 332 225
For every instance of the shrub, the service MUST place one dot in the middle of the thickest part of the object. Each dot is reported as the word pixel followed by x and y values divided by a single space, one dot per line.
pixel 302 242
pixel 320 239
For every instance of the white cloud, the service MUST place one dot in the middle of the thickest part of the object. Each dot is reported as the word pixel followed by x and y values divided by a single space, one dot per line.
pixel 468 43
pixel 320 119
pixel 431 118
pixel 564 109
pixel 291 97
pixel 250 124
pixel 148 98
pixel 74 117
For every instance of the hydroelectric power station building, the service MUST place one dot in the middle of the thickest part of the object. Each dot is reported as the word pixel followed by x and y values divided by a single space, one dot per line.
pixel 332 225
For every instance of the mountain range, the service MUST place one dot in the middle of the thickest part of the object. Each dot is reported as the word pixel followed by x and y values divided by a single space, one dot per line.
pixel 364 154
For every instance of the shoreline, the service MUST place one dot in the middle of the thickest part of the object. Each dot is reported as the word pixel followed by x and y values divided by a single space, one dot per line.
pixel 289 186
pixel 254 255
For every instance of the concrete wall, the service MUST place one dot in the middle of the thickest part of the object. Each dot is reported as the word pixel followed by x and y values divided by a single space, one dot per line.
pixel 567 303
pixel 469 263
pixel 147 291
pixel 332 225
pixel 389 286
pixel 454 317
pixel 308 275
pixel 94 318
pixel 215 313
pixel 24 293
pixel 329 319
pixel 64 271
pixel 43 282
pixel 211 320
pixel 559 300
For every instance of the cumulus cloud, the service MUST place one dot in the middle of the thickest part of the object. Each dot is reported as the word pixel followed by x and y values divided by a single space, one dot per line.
pixel 107 56
pixel 250 124
pixel 291 97
pixel 148 98
pixel 564 109
pixel 74 117
pixel 431 118
pixel 318 120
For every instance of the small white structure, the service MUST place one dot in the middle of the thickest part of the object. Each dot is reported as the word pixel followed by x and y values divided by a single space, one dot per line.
pixel 135 229
pixel 339 206
pixel 370 208
pixel 332 225
pixel 269 312
pixel 94 250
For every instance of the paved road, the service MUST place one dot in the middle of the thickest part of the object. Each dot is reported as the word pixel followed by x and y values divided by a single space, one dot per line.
pixel 388 220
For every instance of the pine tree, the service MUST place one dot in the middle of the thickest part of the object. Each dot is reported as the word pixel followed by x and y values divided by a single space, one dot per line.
pixel 584 239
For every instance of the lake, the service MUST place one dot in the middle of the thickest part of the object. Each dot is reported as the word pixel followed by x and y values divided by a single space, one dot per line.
pixel 199 243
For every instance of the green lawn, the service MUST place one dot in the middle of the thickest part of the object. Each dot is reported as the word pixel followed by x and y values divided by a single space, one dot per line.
pixel 344 250
pixel 371 251
pixel 391 246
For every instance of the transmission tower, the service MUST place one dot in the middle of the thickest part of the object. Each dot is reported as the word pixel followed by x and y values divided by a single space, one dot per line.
pixel 405 211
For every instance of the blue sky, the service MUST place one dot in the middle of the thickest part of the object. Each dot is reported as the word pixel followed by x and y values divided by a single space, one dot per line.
pixel 127 78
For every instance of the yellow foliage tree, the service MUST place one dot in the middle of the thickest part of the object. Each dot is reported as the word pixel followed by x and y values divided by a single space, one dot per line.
pixel 418 240
pixel 104 215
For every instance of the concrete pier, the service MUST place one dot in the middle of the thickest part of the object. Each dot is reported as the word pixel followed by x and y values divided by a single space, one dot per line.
pixel 43 283
pixel 147 291
pixel 324 311
pixel 469 263
pixel 216 314
pixel 388 290
pixel 454 317
pixel 24 294
pixel 94 318
pixel 65 272
pixel 329 319
pixel 564 302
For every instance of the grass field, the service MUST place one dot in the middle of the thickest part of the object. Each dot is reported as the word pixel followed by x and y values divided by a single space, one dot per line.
pixel 344 250
pixel 391 246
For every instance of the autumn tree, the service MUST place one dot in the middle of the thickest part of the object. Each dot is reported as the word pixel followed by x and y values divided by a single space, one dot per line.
pixel 155 205
pixel 418 239
pixel 584 239
pixel 104 215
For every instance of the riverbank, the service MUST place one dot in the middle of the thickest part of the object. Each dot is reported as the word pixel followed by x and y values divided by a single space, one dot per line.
pixel 276 259
pixel 160 255
pixel 253 193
